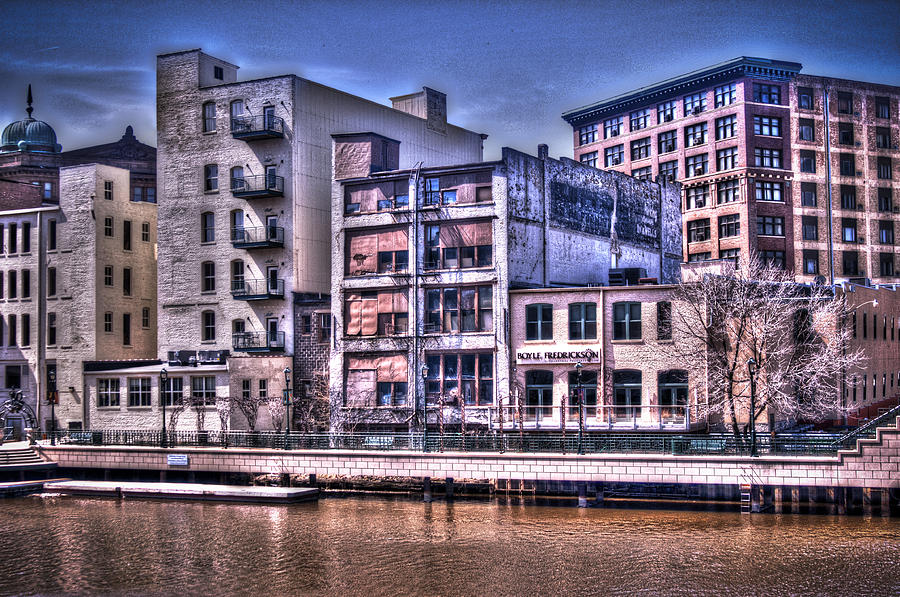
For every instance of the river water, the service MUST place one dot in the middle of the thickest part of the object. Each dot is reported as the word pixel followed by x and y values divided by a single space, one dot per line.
pixel 384 546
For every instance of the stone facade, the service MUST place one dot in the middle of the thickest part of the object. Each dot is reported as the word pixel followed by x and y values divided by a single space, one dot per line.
pixel 769 178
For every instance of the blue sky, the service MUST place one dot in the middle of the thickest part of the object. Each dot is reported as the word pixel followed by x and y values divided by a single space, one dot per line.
pixel 510 68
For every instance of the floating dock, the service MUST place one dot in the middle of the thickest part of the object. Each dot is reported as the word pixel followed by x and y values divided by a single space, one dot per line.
pixel 186 491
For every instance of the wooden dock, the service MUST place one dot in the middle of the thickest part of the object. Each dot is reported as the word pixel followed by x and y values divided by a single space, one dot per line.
pixel 186 491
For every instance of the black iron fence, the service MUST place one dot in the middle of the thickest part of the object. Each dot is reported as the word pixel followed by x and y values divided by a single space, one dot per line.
pixel 551 443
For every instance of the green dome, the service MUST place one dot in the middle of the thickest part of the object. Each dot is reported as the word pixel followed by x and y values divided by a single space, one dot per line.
pixel 29 134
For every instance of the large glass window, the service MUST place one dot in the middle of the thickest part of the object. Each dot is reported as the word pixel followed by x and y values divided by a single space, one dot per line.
pixel 582 321
pixel 767 158
pixel 667 141
pixel 770 225
pixel 673 395
pixel 666 111
pixel 767 94
pixel 694 103
pixel 211 178
pixel 587 385
pixel 207 227
pixel 726 127
pixel 698 230
pixel 538 394
pixel 612 127
pixel 769 126
pixel 587 134
pixel 640 149
pixel 726 159
pixel 613 156
pixel 729 191
pixel 697 197
pixel 626 321
pixel 455 310
pixel 627 395
pixel 539 321
pixel 695 135
pixel 769 191
pixel 391 393
pixel 466 378
pixel 640 119
pixel 209 117
pixel 725 94
pixel 139 391
pixel 697 165
pixel 173 390
pixel 729 225
pixel 203 389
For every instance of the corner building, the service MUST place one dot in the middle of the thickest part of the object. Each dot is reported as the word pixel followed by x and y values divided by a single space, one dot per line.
pixel 424 260
pixel 800 168
pixel 245 210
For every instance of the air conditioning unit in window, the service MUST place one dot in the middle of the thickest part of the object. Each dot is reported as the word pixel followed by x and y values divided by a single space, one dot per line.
pixel 616 161
pixel 670 147
pixel 698 110
pixel 861 239
pixel 698 139
pixel 668 117
pixel 614 133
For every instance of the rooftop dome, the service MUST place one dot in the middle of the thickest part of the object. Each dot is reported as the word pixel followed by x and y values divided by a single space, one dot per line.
pixel 29 134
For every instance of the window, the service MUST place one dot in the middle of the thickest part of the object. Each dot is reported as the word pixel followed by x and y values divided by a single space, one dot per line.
pixel 107 392
pixel 882 107
pixel 767 158
pixel 729 225
pixel 236 110
pixel 108 229
pixel 884 168
pixel 640 119
pixel 139 391
pixel 697 196
pixel 769 126
pixel 12 329
pixel 207 227
pixel 469 377
pixel 766 94
pixel 324 327
pixel 886 232
pixel 26 329
pixel 664 320
pixel 769 191
pixel 885 266
pixel 883 138
pixel 209 117
pixel 218 73
pixel 885 200
pixel 667 141
pixel 848 230
pixel 587 134
pixel 807 131
pixel 850 263
pixel 108 190
pixel 772 258
pixel 845 102
pixel 207 276
pixel 733 254
pixel 538 394
pixel 13 238
pixel 728 191
pixel 589 159
pixel 126 235
pixel 810 228
pixel 173 390
pixel 848 164
pixel 237 275
pixel 432 191
pixel 808 194
pixel 613 156
pixel 726 159
pixel 203 389
pixel 726 127
pixel 587 384
pixel 208 326
pixel 455 310
pixel 51 283
pixel 845 133
pixel 482 195
pixel 696 165
pixel 211 178
pixel 805 98
pixel 51 329
pixel 391 393
pixel 645 173
pixel 262 388
pixel 848 196
pixel 398 261
pixel 673 395
pixel 26 237
pixel 666 111
pixel 145 317
pixel 145 232
pixel 126 281
pixel 640 149
pixel 770 226
pixel 306 324
pixel 582 321
pixel 695 257
pixel 669 170
pixel 698 230
pixel 26 283
pixel 539 322
pixel 627 395
pixel 807 161
pixel 626 321
pixel 810 262
pixel 126 329
pixel 612 127
pixel 695 135
pixel 694 103
pixel 108 322
pixel 725 94
pixel 51 235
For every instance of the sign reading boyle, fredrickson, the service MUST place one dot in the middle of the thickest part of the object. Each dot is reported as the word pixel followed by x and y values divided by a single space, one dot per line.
pixel 570 356
pixel 177 459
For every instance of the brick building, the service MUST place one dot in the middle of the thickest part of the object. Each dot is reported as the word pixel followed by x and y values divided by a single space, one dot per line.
pixel 423 260
pixel 800 168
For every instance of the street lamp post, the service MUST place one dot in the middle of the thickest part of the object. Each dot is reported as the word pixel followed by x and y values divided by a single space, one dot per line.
pixel 752 370
pixel 52 394
pixel 287 406
pixel 578 368
pixel 163 381
pixel 425 407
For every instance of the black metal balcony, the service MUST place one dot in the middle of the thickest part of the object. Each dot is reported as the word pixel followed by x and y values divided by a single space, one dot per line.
pixel 251 128
pixel 258 341
pixel 258 185
pixel 257 290
pixel 257 238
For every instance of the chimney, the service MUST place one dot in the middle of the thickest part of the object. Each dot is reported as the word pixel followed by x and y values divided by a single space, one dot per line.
pixel 543 151
pixel 360 154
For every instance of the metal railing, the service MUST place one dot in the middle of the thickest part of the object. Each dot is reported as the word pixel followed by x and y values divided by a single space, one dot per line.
pixel 260 185
pixel 597 417
pixel 259 236
pixel 258 341
pixel 257 289
pixel 525 442
pixel 257 126
pixel 868 430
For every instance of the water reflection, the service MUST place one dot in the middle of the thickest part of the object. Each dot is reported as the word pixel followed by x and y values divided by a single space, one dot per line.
pixel 382 546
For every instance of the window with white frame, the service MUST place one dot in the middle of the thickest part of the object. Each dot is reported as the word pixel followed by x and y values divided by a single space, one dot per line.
pixel 725 94
pixel 612 127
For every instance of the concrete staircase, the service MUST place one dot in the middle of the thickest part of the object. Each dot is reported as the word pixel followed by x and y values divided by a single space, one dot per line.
pixel 16 457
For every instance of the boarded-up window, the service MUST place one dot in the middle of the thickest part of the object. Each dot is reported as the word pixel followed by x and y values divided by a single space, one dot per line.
pixel 364 310
pixel 363 248
pixel 365 372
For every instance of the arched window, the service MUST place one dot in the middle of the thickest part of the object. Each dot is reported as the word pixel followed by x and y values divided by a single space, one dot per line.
pixel 207 326
pixel 207 227
pixel 209 117
pixel 673 396
pixel 538 394
pixel 626 396
pixel 238 183
pixel 588 387
pixel 207 276
pixel 237 275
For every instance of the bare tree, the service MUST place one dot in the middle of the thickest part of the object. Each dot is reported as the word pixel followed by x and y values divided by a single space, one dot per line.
pixel 796 334
pixel 249 407
pixel 224 408
pixel 276 407
pixel 312 410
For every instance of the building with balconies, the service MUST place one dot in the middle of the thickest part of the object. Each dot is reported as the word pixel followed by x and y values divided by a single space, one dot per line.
pixel 424 258
pixel 245 219
pixel 799 168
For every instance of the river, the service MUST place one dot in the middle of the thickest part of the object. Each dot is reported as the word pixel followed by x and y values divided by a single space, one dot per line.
pixel 383 546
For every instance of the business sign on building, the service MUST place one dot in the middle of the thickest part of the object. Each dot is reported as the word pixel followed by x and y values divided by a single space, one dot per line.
pixel 550 357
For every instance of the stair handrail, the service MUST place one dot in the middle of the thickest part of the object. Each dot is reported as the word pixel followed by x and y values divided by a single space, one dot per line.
pixel 891 414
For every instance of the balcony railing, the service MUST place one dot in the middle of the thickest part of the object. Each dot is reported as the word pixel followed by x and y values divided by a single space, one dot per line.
pixel 258 341
pixel 257 290
pixel 258 185
pixel 257 237
pixel 599 417
pixel 250 128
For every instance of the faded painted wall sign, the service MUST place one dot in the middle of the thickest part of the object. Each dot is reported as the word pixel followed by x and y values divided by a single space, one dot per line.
pixel 586 210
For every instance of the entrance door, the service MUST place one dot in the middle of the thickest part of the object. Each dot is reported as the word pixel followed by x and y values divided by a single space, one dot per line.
pixel 272 332
pixel 272 276
pixel 272 228
pixel 269 117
